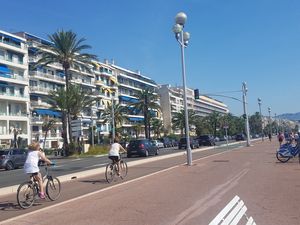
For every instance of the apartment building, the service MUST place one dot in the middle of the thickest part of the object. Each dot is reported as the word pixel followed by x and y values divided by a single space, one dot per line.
pixel 14 91
pixel 42 80
pixel 171 101
pixel 107 90
pixel 99 80
pixel 129 84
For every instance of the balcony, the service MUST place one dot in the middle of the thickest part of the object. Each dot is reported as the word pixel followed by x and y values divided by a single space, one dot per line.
pixel 47 76
pixel 40 89
pixel 13 46
pixel 14 95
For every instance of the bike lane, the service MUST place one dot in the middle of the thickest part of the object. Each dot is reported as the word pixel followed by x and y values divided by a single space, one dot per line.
pixel 188 195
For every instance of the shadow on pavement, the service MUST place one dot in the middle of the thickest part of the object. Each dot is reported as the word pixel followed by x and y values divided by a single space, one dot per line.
pixel 9 206
pixel 102 181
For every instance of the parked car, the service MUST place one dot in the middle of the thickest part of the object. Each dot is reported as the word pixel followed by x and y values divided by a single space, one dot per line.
pixel 141 147
pixel 193 143
pixel 240 137
pixel 167 142
pixel 157 143
pixel 12 158
pixel 206 140
pixel 174 143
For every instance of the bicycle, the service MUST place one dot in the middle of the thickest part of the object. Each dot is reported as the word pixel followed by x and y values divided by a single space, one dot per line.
pixel 28 191
pixel 287 151
pixel 112 170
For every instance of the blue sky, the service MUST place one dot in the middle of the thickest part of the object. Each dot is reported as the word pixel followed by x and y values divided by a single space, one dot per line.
pixel 232 41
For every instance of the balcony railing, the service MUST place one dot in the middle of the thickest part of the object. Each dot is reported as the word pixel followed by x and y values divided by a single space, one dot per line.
pixel 6 58
pixel 46 75
pixel 10 43
pixel 14 114
pixel 40 89
pixel 14 95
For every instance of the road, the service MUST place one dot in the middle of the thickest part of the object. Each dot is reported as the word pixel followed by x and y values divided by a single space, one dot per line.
pixel 66 166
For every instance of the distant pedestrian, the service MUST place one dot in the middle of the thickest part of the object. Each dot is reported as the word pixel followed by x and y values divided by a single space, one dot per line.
pixel 280 138
pixel 270 137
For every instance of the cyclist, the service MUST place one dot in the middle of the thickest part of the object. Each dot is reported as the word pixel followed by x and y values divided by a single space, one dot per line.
pixel 114 153
pixel 31 165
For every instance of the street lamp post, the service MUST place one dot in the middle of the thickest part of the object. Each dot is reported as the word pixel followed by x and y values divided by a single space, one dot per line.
pixel 92 128
pixel 113 119
pixel 276 125
pixel 262 127
pixel 183 38
pixel 244 89
pixel 270 128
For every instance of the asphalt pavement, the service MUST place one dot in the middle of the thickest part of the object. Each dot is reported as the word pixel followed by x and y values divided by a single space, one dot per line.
pixel 167 191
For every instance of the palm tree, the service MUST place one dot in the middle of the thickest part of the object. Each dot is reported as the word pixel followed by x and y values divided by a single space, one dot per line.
pixel 147 101
pixel 66 49
pixel 58 101
pixel 157 126
pixel 72 101
pixel 48 125
pixel 178 119
pixel 119 112
pixel 137 129
pixel 79 99
pixel 213 120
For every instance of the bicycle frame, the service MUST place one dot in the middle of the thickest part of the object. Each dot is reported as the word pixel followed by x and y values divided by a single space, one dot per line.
pixel 287 150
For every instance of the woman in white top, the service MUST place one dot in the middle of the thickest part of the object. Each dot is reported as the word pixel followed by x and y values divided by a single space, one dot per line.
pixel 31 165
pixel 114 152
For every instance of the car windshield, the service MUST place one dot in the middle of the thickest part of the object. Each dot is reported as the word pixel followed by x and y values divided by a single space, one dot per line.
pixel 204 137
pixel 3 152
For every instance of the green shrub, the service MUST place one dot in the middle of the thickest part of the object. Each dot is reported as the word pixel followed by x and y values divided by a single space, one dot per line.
pixel 98 150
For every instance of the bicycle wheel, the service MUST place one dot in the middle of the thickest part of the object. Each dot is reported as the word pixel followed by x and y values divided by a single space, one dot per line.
pixel 123 169
pixel 53 188
pixel 282 158
pixel 25 195
pixel 110 172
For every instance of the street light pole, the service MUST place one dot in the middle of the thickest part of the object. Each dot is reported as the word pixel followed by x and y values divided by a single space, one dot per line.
pixel 183 38
pixel 270 128
pixel 276 125
pixel 92 126
pixel 262 127
pixel 244 89
pixel 113 119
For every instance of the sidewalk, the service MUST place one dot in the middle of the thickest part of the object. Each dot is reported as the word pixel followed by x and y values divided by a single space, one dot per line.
pixel 190 195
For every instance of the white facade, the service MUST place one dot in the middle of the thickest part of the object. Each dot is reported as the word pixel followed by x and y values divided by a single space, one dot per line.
pixel 129 84
pixel 171 101
pixel 14 91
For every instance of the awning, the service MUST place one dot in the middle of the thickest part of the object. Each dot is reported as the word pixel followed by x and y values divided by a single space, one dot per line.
pixel 4 69
pixel 128 99
pixel 48 112
pixel 11 38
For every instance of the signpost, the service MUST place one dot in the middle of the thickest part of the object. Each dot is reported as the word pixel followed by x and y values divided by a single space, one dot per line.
pixel 226 128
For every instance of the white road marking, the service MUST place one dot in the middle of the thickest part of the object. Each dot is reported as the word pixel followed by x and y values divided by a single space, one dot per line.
pixel 101 164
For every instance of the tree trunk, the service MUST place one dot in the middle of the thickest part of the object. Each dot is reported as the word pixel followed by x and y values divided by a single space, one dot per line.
pixel 69 127
pixel 65 138
pixel 146 116
pixel 46 132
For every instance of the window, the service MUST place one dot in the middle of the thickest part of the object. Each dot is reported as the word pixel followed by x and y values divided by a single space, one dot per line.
pixel 11 90
pixel 20 57
pixel 21 91
pixel 2 54
pixel 2 90
pixel 9 56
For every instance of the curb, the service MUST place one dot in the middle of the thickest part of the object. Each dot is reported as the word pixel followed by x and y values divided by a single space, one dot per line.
pixel 82 174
